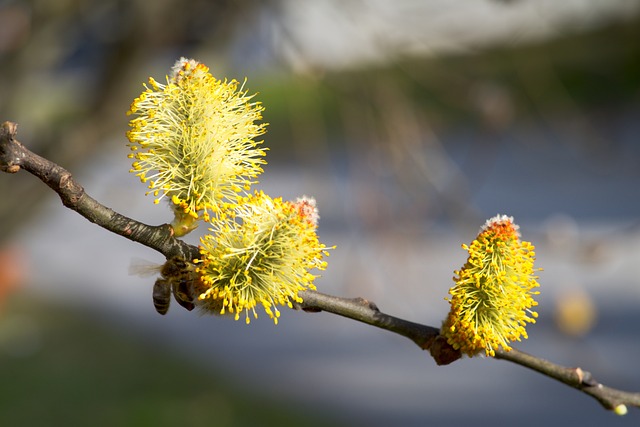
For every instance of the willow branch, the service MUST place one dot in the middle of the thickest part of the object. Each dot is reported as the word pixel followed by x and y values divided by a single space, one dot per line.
pixel 577 378
pixel 14 156
pixel 367 312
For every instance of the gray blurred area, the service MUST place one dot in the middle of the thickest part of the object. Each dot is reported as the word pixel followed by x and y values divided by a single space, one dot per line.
pixel 411 125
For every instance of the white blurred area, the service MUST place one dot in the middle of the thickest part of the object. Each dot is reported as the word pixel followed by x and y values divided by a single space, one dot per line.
pixel 339 34
pixel 401 260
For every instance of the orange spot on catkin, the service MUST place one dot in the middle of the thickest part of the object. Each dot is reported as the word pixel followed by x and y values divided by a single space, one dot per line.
pixel 492 298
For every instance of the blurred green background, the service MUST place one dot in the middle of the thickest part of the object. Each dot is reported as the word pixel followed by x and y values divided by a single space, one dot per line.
pixel 61 367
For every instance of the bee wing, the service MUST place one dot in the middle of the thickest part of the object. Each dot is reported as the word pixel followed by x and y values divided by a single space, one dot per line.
pixel 143 268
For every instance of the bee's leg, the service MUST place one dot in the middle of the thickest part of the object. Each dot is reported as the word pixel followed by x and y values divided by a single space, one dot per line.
pixel 182 294
pixel 161 296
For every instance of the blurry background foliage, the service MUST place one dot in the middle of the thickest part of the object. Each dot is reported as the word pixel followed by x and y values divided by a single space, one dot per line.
pixel 414 104
pixel 71 68
pixel 87 374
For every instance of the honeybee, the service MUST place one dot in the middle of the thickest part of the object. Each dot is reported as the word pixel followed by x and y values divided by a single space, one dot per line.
pixel 177 276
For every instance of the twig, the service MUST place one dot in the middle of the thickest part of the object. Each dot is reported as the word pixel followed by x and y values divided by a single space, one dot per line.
pixel 367 312
pixel 582 380
pixel 14 156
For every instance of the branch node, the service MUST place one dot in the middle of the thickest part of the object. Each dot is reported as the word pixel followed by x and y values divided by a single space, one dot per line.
pixel 588 380
pixel 9 159
pixel 443 352
pixel 584 378
pixel 369 304
pixel 9 128
pixel 10 168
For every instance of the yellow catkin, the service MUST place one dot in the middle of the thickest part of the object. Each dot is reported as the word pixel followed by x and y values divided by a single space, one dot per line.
pixel 492 297
pixel 193 141
pixel 261 254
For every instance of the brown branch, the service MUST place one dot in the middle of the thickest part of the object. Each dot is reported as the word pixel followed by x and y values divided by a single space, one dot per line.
pixel 577 378
pixel 367 312
pixel 14 156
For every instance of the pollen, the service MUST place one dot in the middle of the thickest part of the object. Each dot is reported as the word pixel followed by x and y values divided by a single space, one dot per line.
pixel 262 254
pixel 194 140
pixel 492 298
